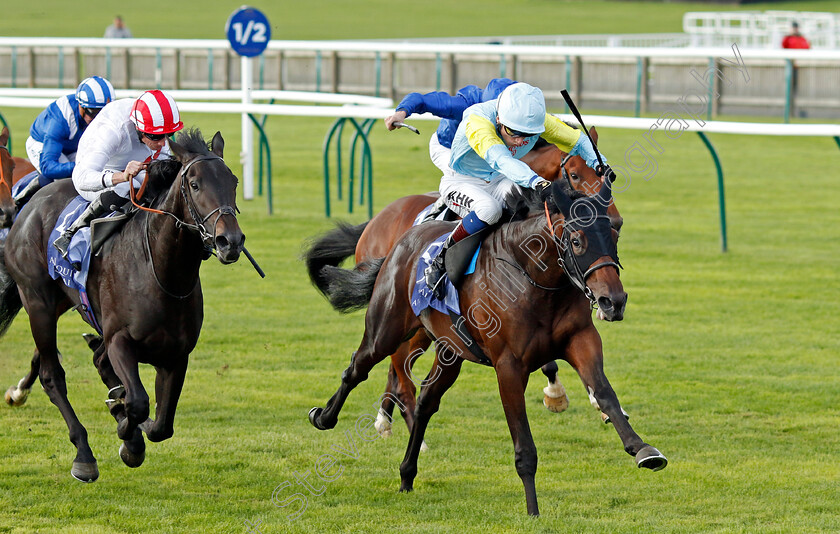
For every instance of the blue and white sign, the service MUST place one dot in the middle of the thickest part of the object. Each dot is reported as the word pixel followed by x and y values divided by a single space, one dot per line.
pixel 248 31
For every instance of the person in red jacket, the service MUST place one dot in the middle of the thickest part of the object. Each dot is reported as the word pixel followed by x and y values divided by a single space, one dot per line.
pixel 795 39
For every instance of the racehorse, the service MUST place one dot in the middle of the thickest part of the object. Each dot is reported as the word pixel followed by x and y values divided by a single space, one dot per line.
pixel 144 290
pixel 11 170
pixel 518 326
pixel 375 238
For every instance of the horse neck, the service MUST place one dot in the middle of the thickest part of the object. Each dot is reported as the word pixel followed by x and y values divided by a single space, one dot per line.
pixel 176 249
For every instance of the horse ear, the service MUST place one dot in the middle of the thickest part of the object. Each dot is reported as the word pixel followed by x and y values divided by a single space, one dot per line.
pixel 217 145
pixel 181 153
pixel 4 136
pixel 561 199
pixel 593 133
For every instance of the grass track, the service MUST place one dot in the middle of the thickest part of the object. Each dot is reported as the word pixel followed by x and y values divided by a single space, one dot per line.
pixel 726 362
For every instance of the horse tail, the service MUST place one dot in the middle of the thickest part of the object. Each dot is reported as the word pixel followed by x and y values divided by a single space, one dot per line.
pixel 10 303
pixel 350 289
pixel 330 250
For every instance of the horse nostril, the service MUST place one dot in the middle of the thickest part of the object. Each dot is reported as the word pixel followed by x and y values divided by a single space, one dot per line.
pixel 605 304
pixel 222 243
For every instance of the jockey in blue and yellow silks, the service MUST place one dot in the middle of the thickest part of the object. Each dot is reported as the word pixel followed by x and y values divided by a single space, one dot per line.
pixel 485 160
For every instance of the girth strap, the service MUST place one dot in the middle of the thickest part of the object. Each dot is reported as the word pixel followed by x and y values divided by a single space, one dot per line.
pixel 458 322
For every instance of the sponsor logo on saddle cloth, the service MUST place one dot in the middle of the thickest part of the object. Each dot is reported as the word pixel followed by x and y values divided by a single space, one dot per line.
pixel 422 296
pixel 77 254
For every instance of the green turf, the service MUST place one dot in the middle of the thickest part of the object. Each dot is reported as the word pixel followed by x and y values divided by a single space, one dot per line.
pixel 346 19
pixel 726 362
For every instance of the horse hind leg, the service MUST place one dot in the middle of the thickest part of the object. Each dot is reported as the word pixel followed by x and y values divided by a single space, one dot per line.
pixel 17 395
pixel 554 394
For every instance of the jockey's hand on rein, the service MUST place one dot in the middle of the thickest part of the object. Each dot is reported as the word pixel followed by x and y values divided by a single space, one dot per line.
pixel 606 172
pixel 543 188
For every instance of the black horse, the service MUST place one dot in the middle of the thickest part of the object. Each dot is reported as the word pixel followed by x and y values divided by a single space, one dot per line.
pixel 518 326
pixel 144 290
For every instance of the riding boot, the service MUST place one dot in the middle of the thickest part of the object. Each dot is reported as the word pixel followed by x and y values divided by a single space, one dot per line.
pixel 435 271
pixel 104 203
pixel 26 193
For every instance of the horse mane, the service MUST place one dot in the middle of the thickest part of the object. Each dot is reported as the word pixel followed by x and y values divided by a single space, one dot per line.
pixel 524 203
pixel 162 172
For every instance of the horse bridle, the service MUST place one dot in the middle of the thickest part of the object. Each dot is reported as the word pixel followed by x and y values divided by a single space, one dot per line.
pixel 207 237
pixel 568 261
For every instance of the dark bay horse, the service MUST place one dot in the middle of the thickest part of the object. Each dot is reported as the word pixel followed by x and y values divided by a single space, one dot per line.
pixel 519 326
pixel 375 238
pixel 144 290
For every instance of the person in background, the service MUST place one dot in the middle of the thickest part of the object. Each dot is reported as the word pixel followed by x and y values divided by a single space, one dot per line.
pixel 795 39
pixel 55 134
pixel 118 30
pixel 118 148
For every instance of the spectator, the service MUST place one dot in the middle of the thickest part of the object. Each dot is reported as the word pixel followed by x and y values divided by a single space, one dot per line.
pixel 118 30
pixel 795 39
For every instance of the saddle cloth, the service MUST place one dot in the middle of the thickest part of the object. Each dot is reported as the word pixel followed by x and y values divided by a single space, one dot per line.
pixel 78 254
pixel 422 296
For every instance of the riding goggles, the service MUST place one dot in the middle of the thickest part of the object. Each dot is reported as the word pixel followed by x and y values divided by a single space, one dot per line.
pixel 154 137
pixel 516 133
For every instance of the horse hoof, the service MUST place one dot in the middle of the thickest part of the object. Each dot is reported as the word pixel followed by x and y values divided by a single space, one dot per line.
pixel 85 472
pixel 556 404
pixel 314 415
pixel 131 459
pixel 651 458
pixel 16 397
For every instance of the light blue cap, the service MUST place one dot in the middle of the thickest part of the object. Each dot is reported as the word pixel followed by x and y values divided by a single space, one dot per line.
pixel 522 107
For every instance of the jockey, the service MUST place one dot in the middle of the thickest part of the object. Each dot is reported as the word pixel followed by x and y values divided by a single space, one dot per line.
pixel 484 168
pixel 54 136
pixel 450 109
pixel 117 148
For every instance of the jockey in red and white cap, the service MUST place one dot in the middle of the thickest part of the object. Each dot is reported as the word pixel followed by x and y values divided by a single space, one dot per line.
pixel 116 148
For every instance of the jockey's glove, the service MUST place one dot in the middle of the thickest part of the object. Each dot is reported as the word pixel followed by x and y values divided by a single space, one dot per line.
pixel 606 171
pixel 543 188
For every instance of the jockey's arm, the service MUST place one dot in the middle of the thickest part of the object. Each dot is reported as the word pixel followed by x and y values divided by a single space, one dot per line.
pixel 483 138
pixel 50 166
pixel 438 103
pixel 570 140
pixel 93 156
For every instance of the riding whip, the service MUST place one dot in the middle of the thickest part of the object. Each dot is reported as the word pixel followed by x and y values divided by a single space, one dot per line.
pixel 410 127
pixel 576 113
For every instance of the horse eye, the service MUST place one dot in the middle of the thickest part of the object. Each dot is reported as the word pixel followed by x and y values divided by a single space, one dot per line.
pixel 194 185
pixel 574 176
pixel 575 241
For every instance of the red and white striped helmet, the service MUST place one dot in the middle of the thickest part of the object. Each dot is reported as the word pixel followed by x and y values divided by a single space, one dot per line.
pixel 155 112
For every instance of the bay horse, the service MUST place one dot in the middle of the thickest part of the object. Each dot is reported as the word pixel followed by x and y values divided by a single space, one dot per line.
pixel 517 325
pixel 375 238
pixel 144 290
pixel 11 170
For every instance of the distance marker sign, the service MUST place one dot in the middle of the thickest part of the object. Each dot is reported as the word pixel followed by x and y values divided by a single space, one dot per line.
pixel 248 31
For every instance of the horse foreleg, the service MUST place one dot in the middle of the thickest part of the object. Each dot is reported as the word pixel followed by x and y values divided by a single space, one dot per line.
pixel 440 379
pixel 17 395
pixel 122 357
pixel 512 380
pixel 554 394
pixel 584 353
pixel 168 386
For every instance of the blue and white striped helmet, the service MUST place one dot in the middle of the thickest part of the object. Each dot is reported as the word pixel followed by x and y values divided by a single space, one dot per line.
pixel 94 92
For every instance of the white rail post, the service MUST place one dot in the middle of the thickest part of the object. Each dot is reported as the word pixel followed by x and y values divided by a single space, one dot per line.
pixel 247 154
